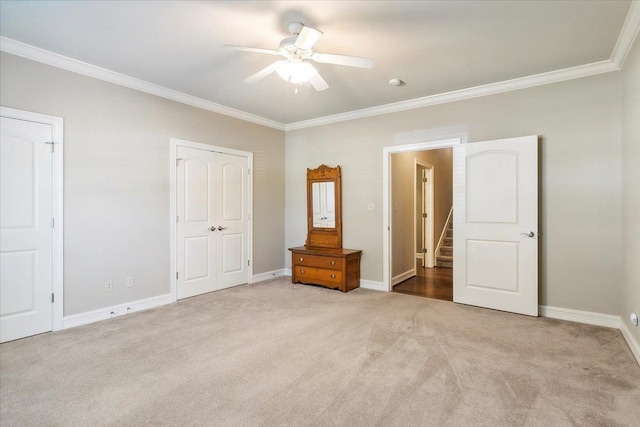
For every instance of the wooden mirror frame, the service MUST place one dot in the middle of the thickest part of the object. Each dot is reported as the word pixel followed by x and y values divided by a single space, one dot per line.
pixel 318 236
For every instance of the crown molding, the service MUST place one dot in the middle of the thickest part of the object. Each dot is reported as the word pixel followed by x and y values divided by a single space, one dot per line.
pixel 459 95
pixel 24 50
pixel 628 34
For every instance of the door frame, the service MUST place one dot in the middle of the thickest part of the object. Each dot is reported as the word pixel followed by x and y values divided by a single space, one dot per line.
pixel 174 144
pixel 428 167
pixel 57 189
pixel 387 283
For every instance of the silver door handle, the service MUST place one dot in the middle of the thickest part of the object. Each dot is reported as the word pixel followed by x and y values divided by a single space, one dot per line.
pixel 213 228
pixel 529 234
pixel 220 228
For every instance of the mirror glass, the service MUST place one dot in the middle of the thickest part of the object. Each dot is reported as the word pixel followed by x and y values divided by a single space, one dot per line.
pixel 324 204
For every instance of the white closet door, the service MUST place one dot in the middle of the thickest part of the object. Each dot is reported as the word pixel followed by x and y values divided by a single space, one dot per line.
pixel 212 225
pixel 26 236
pixel 232 212
pixel 496 225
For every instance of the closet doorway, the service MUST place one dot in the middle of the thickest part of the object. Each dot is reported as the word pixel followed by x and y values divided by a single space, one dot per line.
pixel 211 204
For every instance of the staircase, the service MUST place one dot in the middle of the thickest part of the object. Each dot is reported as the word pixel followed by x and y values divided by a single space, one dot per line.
pixel 445 255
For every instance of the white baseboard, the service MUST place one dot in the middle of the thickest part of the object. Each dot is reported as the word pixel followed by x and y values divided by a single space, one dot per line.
pixel 287 272
pixel 373 285
pixel 630 339
pixel 269 275
pixel 590 318
pixel 419 256
pixel 403 276
pixel 115 311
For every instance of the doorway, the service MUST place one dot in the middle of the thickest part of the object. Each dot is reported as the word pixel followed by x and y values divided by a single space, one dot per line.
pixel 31 291
pixel 211 203
pixel 421 199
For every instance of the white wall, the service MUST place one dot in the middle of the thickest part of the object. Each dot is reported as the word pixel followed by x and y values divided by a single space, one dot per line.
pixel 116 189
pixel 630 292
pixel 579 125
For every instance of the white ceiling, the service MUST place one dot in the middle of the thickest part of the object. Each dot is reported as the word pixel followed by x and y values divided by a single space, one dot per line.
pixel 434 46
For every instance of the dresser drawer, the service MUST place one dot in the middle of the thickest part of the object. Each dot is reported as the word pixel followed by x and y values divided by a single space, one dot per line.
pixel 311 274
pixel 330 263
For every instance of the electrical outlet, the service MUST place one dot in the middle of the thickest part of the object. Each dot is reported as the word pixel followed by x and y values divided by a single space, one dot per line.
pixel 371 207
pixel 634 319
pixel 129 282
pixel 108 286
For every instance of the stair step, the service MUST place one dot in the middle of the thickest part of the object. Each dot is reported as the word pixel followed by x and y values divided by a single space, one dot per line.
pixel 446 250
pixel 448 233
pixel 447 241
pixel 444 261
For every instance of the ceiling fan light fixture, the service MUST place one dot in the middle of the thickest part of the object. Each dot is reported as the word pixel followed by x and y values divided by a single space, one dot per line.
pixel 295 71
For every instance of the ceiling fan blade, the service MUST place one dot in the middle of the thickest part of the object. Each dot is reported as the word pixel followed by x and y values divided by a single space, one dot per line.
pixel 307 38
pixel 318 83
pixel 251 49
pixel 350 61
pixel 262 73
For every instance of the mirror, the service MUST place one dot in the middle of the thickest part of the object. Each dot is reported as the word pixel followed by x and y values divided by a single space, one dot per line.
pixel 324 204
pixel 324 212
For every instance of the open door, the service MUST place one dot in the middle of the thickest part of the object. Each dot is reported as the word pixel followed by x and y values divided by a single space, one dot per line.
pixel 495 215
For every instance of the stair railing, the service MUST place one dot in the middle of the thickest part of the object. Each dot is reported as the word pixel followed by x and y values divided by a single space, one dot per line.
pixel 444 232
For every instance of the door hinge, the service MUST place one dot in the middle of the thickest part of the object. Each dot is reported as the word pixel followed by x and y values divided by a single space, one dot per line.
pixel 177 220
pixel 248 171
pixel 53 297
pixel 424 250
pixel 178 160
pixel 53 144
pixel 424 179
pixel 52 222
pixel 248 262
pixel 424 215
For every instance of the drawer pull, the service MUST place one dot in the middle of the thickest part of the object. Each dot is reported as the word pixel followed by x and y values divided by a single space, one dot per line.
pixel 301 259
pixel 333 276
pixel 301 271
pixel 333 263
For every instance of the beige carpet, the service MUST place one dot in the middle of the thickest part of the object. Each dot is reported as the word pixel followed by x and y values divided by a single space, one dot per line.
pixel 280 354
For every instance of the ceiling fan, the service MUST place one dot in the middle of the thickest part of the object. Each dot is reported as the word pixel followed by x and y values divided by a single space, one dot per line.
pixel 296 49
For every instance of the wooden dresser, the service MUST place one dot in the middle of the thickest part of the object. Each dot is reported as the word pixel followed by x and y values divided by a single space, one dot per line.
pixel 335 268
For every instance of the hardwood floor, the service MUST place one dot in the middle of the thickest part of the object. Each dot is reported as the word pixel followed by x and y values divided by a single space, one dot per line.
pixel 434 282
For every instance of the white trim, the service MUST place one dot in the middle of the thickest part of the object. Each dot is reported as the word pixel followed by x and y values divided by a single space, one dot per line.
pixel 590 318
pixel 386 186
pixel 373 285
pixel 57 130
pixel 116 310
pixel 462 94
pixel 287 272
pixel 419 255
pixel 403 276
pixel 633 344
pixel 174 144
pixel 628 34
pixel 269 275
pixel 24 50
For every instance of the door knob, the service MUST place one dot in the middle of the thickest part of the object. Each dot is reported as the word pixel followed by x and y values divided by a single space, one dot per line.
pixel 529 234
pixel 213 228
pixel 220 228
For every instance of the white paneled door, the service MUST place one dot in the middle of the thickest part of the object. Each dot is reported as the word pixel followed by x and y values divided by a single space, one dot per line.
pixel 212 224
pixel 26 236
pixel 495 212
